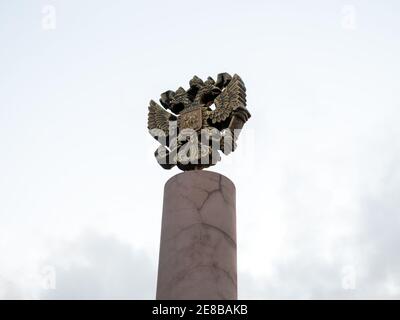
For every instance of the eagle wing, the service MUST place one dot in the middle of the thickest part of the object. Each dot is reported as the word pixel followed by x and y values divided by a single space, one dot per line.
pixel 232 97
pixel 158 117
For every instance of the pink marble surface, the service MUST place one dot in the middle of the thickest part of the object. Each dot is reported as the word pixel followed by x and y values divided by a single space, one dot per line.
pixel 198 238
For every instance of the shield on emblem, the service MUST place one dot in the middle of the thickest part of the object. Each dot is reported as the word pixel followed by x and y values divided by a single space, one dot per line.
pixel 192 119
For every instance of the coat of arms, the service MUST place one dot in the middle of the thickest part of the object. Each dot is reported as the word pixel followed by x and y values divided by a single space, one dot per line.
pixel 194 125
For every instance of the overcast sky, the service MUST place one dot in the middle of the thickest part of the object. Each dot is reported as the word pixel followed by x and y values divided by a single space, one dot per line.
pixel 316 169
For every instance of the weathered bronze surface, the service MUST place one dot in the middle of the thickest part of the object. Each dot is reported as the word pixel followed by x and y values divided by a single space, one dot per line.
pixel 204 119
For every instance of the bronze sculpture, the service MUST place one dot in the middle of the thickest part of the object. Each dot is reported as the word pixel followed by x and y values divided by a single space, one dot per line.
pixel 193 132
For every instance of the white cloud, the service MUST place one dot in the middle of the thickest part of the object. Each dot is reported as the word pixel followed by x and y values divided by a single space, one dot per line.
pixel 100 267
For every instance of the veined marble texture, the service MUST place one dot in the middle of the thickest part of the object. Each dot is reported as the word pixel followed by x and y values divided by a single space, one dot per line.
pixel 198 238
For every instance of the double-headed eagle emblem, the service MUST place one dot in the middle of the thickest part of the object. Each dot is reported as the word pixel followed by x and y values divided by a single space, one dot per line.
pixel 203 120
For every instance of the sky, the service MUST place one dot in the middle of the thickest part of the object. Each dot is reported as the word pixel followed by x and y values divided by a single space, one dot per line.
pixel 316 169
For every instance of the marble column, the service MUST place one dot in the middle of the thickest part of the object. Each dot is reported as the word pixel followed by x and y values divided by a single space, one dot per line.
pixel 198 238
